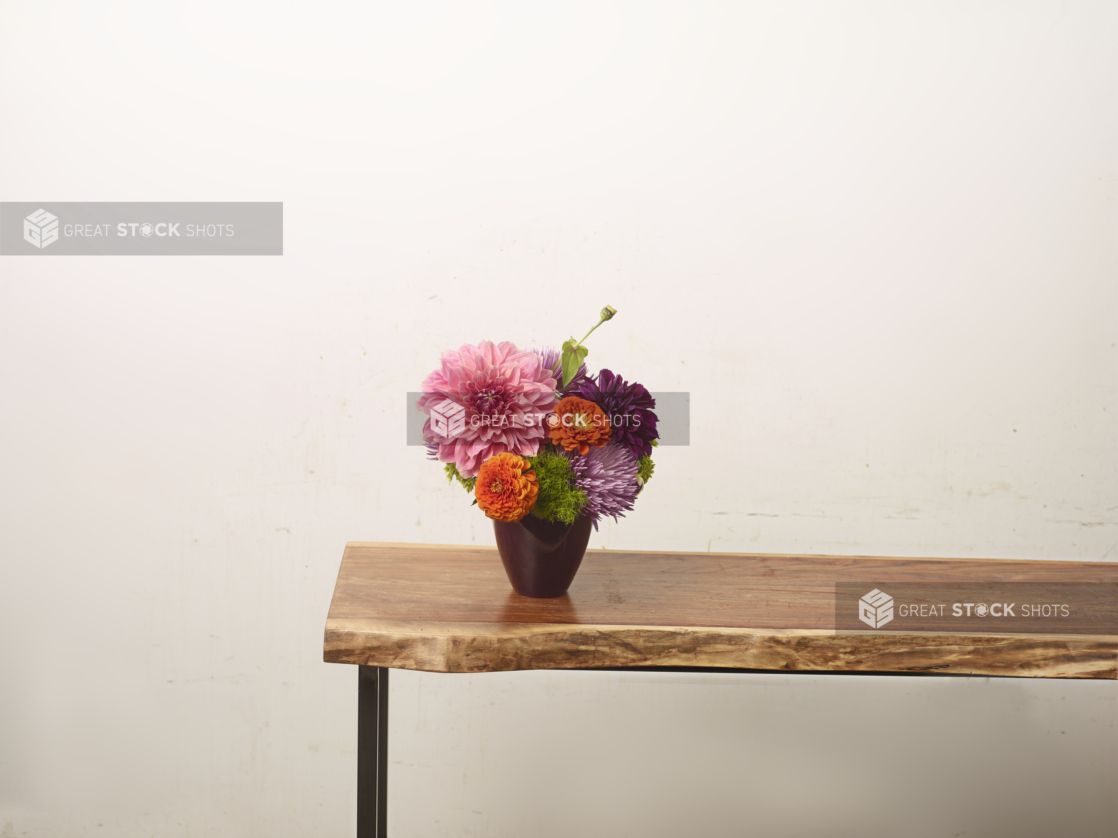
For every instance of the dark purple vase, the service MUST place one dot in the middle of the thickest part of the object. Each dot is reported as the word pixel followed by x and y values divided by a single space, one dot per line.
pixel 541 558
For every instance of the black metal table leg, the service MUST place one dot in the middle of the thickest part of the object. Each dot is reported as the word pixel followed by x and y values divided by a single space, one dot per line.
pixel 372 751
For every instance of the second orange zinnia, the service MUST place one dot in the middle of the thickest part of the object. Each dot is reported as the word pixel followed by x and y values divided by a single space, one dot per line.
pixel 579 423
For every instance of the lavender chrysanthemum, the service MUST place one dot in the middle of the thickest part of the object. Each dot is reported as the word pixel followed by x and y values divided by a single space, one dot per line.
pixel 629 407
pixel 549 355
pixel 608 476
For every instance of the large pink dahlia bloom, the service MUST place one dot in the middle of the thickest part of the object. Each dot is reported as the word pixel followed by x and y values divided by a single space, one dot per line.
pixel 485 400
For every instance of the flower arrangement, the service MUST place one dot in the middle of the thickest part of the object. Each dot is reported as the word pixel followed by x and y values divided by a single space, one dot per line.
pixel 530 432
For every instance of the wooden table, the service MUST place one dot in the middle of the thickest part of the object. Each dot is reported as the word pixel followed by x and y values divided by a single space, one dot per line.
pixel 450 609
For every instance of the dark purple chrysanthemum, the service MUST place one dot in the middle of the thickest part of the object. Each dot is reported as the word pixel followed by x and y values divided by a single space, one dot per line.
pixel 629 407
pixel 608 476
pixel 550 357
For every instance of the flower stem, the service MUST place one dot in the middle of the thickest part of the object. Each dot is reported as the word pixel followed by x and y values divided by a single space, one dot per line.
pixel 588 334
pixel 607 314
pixel 584 337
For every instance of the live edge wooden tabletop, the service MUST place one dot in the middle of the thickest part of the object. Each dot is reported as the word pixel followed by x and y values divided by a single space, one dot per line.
pixel 451 609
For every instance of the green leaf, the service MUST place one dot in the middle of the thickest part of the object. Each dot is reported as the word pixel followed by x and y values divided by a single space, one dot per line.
pixel 573 356
pixel 571 363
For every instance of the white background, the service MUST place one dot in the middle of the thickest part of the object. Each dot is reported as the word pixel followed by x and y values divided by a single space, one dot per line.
pixel 875 241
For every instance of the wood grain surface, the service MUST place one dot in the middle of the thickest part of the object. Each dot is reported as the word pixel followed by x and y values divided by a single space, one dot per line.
pixel 451 609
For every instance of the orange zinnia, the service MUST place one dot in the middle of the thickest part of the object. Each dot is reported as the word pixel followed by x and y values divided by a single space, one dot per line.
pixel 506 487
pixel 578 423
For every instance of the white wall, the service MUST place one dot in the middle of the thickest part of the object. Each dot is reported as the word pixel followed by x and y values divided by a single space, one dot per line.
pixel 875 241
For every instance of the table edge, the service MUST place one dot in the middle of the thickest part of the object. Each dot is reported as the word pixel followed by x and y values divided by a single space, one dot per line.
pixel 505 647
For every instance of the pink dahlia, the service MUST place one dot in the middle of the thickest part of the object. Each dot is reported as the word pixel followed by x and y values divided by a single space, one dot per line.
pixel 485 400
